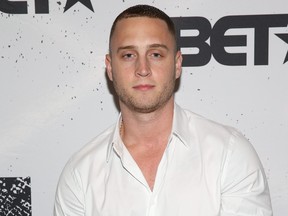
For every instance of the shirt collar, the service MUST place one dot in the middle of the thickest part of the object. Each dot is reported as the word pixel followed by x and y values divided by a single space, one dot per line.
pixel 115 138
pixel 180 129
pixel 181 126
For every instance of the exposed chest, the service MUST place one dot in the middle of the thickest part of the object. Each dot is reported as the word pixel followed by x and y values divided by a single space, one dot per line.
pixel 148 161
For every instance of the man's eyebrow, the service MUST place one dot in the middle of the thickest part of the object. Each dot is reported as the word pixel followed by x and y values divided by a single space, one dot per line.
pixel 156 45
pixel 125 48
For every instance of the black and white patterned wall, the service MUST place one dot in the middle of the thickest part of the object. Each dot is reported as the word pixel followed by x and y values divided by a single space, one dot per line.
pixel 15 196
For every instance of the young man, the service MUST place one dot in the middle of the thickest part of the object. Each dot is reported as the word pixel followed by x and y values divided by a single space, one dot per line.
pixel 159 159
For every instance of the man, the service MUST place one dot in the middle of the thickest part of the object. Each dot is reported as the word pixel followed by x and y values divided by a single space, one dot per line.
pixel 159 159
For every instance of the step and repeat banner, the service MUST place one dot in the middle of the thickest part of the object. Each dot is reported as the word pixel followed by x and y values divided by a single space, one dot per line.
pixel 55 96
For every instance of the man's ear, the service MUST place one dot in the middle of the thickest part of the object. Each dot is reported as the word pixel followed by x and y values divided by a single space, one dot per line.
pixel 108 64
pixel 178 64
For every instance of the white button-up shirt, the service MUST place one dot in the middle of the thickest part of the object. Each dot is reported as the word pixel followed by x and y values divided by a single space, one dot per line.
pixel 207 169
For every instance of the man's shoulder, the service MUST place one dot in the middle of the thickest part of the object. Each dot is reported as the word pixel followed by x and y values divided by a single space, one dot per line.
pixel 208 137
pixel 203 128
pixel 200 122
pixel 95 150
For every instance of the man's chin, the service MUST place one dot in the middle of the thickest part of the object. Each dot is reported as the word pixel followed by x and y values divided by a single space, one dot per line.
pixel 141 107
pixel 147 107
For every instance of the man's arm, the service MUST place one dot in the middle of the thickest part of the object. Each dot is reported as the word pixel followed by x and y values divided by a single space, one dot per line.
pixel 69 200
pixel 244 185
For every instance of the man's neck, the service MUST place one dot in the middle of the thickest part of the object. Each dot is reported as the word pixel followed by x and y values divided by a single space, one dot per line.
pixel 147 128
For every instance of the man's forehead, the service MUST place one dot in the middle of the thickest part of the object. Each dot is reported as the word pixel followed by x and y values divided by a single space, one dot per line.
pixel 139 20
pixel 128 31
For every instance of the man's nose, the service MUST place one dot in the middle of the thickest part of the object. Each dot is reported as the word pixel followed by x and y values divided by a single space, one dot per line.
pixel 143 67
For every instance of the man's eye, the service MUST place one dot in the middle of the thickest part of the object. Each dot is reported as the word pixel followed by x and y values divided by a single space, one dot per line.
pixel 128 55
pixel 156 55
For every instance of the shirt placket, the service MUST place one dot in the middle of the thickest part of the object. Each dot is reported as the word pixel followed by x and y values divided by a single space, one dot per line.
pixel 152 205
pixel 160 179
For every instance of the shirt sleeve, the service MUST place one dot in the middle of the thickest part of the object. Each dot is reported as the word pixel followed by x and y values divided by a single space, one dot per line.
pixel 244 187
pixel 69 199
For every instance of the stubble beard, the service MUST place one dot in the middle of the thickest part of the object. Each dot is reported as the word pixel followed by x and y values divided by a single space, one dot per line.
pixel 143 105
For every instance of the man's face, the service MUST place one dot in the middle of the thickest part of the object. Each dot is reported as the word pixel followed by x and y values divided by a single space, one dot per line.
pixel 142 63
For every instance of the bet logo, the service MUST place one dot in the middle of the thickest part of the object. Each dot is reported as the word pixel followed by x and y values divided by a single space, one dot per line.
pixel 41 6
pixel 219 41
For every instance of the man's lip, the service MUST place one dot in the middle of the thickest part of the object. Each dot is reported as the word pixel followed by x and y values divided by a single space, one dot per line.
pixel 143 87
